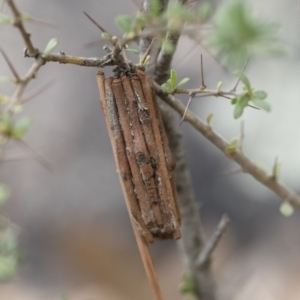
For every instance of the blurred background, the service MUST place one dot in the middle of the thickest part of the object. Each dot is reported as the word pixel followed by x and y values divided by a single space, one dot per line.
pixel 74 228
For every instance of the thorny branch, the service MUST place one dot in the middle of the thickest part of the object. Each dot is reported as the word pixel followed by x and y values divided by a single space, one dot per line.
pixel 239 157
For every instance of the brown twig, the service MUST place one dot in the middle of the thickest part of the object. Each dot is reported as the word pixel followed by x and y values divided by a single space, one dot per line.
pixel 35 92
pixel 247 165
pixel 62 58
pixel 19 24
pixel 16 97
pixel 35 155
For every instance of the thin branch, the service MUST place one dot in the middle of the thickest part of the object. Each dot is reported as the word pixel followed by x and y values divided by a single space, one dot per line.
pixel 13 155
pixel 19 24
pixel 35 155
pixel 199 93
pixel 41 22
pixel 37 91
pixel 98 62
pixel 31 73
pixel 246 164
pixel 147 52
pixel 205 255
pixel 12 68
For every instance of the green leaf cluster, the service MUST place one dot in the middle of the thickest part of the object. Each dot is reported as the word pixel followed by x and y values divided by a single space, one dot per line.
pixel 171 19
pixel 249 96
pixel 16 130
pixel 171 85
pixel 238 34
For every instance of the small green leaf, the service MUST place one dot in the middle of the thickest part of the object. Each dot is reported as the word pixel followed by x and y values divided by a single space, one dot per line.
pixel 8 265
pixel 106 36
pixel 167 88
pixel 6 79
pixel 6 124
pixel 173 78
pixel 219 86
pixel 124 22
pixel 261 104
pixel 244 79
pixel 4 19
pixel 232 147
pixel 135 51
pixel 143 63
pixel 241 103
pixel 286 209
pixel 168 47
pixel 262 95
pixel 276 170
pixel 238 110
pixel 21 127
pixel 154 8
pixel 209 119
pixel 233 101
pixel 50 47
pixel 182 82
pixel 187 285
pixel 4 193
pixel 139 21
pixel 177 14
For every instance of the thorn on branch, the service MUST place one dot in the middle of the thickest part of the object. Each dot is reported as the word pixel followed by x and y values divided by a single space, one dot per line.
pixel 12 68
pixel 239 79
pixel 37 91
pixel 95 22
pixel 36 155
pixel 186 108
pixel 276 170
pixel 203 86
